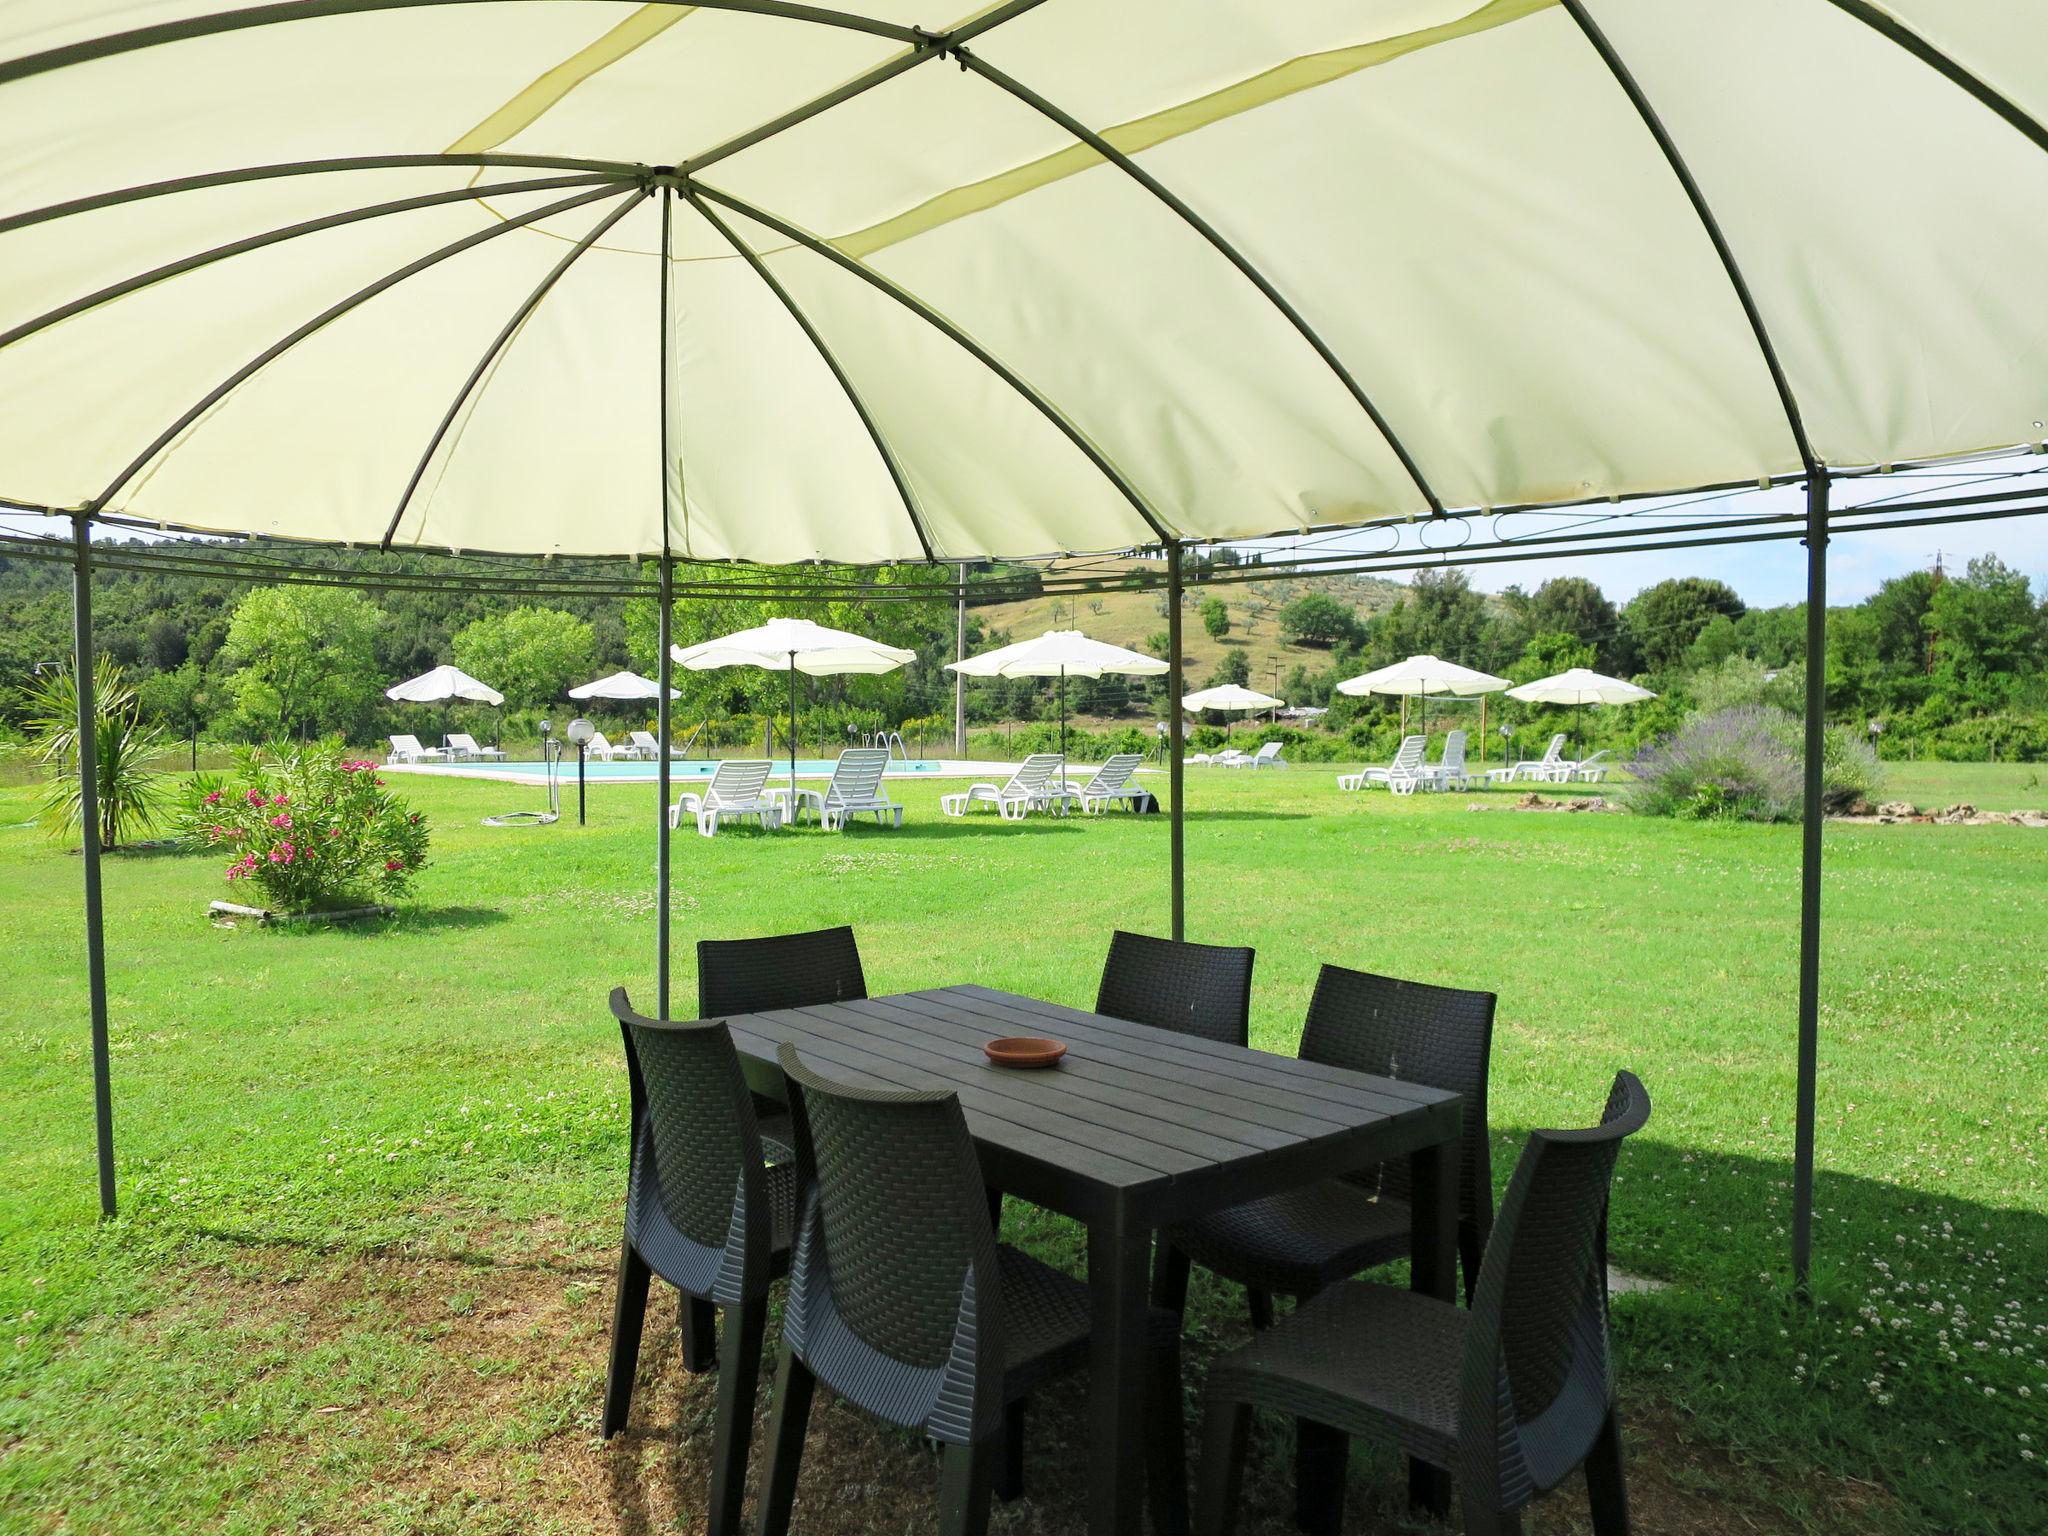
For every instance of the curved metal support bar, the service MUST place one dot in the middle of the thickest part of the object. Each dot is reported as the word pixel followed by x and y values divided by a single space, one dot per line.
pixel 1627 81
pixel 498 345
pixel 1895 30
pixel 242 247
pixel 277 349
pixel 623 170
pixel 185 30
pixel 925 50
pixel 825 354
pixel 1223 248
pixel 952 332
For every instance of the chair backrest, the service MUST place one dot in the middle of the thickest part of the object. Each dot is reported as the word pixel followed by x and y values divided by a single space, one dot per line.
pixel 1409 754
pixel 462 741
pixel 1114 774
pixel 1555 750
pixel 597 743
pixel 1192 989
pixel 1588 762
pixel 644 740
pixel 737 781
pixel 1454 752
pixel 698 1207
pixel 406 744
pixel 1537 1381
pixel 857 774
pixel 1268 752
pixel 895 1297
pixel 1032 773
pixel 1438 1036
pixel 787 970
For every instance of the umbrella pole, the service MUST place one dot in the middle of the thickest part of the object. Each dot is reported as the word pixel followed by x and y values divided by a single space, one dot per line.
pixel 665 672
pixel 1063 727
pixel 1809 879
pixel 792 736
pixel 1176 743
pixel 89 845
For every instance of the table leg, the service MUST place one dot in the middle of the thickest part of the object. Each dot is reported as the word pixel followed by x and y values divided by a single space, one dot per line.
pixel 1118 1262
pixel 1432 1271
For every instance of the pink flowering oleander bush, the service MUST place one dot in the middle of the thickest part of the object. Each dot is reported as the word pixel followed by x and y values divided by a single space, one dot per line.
pixel 308 831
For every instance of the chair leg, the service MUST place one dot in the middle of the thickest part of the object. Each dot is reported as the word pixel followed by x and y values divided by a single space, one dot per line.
pixel 739 1373
pixel 1320 1456
pixel 1170 1278
pixel 1471 1249
pixel 1606 1483
pixel 698 1320
pixel 1166 1448
pixel 629 1310
pixel 1223 1445
pixel 786 1423
pixel 1009 1470
pixel 965 1479
pixel 1261 1306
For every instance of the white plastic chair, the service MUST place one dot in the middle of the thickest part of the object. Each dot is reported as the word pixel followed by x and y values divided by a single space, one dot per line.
pixel 644 746
pixel 464 748
pixel 1111 783
pixel 1027 790
pixel 1448 771
pixel 601 751
pixel 407 749
pixel 856 790
pixel 734 793
pixel 1401 775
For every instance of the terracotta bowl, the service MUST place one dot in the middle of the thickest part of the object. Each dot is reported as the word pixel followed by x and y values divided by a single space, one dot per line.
pixel 1025 1051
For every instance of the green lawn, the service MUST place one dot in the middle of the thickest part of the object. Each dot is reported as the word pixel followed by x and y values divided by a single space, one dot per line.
pixel 370 1178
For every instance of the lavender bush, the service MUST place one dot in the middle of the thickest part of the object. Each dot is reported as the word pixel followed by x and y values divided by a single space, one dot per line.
pixel 1746 764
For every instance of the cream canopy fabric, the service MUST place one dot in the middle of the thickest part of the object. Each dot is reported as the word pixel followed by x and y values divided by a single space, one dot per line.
pixel 1065 276
pixel 1580 685
pixel 1424 676
pixel 786 645
pixel 1059 653
pixel 442 685
pixel 1230 696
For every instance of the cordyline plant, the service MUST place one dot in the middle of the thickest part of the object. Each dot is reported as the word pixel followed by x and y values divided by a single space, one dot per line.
pixel 310 831
pixel 130 796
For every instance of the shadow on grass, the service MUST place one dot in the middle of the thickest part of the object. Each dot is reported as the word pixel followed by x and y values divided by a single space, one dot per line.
pixel 429 920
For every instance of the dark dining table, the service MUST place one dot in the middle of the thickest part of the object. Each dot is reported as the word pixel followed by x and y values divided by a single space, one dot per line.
pixel 1135 1129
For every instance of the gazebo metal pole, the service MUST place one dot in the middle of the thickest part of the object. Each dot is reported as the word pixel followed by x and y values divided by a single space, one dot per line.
pixel 792 736
pixel 1175 742
pixel 663 673
pixel 89 824
pixel 1809 878
pixel 1063 726
pixel 960 678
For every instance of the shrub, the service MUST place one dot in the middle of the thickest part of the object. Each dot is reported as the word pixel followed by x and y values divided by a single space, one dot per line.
pixel 130 797
pixel 1747 764
pixel 311 831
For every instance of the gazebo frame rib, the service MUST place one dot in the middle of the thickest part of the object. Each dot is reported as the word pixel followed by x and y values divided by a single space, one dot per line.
pixel 924 46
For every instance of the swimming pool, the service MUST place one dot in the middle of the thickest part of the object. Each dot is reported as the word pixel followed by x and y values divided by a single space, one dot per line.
pixel 685 769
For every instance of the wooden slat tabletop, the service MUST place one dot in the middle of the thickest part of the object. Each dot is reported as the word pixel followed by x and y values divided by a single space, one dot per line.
pixel 1158 1122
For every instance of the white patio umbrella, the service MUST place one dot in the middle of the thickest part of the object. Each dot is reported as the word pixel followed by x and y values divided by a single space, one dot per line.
pixel 443 686
pixel 1059 653
pixel 1231 698
pixel 622 685
pixel 1579 686
pixel 793 646
pixel 1426 676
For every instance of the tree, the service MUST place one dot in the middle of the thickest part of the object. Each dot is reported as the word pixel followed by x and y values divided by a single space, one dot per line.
pixel 1236 667
pixel 1899 608
pixel 1575 606
pixel 531 655
pixel 1664 620
pixel 1160 644
pixel 1548 655
pixel 1316 619
pixel 305 658
pixel 1215 617
pixel 1989 632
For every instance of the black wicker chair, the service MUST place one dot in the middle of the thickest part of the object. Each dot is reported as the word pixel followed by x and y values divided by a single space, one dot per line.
pixel 1508 1397
pixel 785 970
pixel 1301 1241
pixel 706 1212
pixel 1192 989
pixel 902 1302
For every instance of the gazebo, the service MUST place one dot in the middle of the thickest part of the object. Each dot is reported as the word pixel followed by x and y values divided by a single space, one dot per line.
pixel 1051 279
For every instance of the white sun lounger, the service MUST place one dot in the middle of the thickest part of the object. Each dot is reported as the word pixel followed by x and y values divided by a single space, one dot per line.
pixel 1588 770
pixel 734 793
pixel 1268 756
pixel 1112 783
pixel 856 790
pixel 1229 757
pixel 1401 775
pixel 645 747
pixel 1027 790
pixel 600 750
pixel 407 749
pixel 1448 771
pixel 464 748
pixel 1544 769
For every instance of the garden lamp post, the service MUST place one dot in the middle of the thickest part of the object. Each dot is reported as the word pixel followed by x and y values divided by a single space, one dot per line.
pixel 580 732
